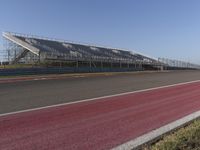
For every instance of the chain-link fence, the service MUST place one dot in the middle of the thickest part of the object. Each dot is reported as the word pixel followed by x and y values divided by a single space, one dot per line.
pixel 178 63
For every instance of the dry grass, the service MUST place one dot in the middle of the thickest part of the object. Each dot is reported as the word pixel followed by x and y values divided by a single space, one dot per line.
pixel 187 138
pixel 16 66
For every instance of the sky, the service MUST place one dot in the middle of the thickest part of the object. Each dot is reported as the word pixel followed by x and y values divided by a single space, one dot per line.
pixel 157 28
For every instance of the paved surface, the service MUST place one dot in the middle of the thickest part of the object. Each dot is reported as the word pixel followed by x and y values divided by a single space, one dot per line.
pixel 101 124
pixel 31 94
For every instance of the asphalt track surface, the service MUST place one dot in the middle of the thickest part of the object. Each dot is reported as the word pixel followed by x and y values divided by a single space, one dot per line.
pixel 18 96
pixel 100 124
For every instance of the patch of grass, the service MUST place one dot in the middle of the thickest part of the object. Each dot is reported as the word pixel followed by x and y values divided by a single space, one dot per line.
pixel 187 138
pixel 16 66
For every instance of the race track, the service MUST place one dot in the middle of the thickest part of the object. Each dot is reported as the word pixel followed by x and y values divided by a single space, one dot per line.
pixel 17 96
pixel 101 123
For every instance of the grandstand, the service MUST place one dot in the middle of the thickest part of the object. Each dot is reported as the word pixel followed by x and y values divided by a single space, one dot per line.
pixel 172 64
pixel 28 49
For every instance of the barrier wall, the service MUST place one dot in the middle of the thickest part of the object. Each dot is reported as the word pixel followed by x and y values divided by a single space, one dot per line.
pixel 38 71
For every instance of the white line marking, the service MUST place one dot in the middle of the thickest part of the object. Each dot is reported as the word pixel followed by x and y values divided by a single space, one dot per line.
pixel 92 99
pixel 78 76
pixel 139 141
pixel 43 78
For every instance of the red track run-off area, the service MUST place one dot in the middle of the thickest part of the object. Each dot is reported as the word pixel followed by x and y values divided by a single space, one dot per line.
pixel 99 124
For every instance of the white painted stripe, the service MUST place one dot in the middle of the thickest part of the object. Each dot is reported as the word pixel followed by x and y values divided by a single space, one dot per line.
pixel 135 143
pixel 78 76
pixel 92 99
pixel 43 78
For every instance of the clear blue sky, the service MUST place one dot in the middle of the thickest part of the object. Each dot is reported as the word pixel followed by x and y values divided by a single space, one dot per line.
pixel 159 28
